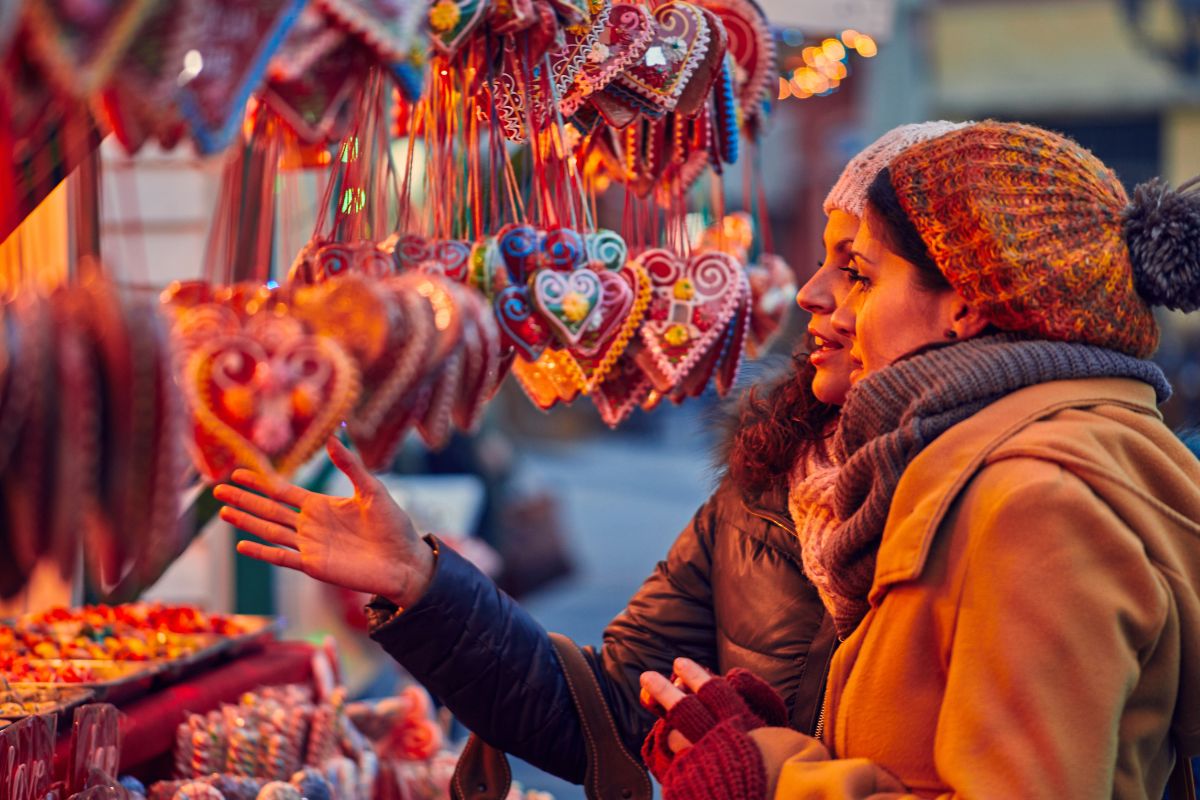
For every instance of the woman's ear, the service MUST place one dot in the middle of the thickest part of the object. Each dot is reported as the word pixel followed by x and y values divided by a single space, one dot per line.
pixel 966 321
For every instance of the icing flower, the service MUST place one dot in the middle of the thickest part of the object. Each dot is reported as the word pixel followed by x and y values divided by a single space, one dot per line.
pixel 575 307
pixel 684 290
pixel 677 335
pixel 674 47
pixel 599 53
pixel 444 15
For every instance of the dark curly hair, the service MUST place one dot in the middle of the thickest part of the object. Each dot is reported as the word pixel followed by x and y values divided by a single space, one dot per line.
pixel 777 422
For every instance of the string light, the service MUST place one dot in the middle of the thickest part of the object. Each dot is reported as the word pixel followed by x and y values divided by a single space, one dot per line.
pixel 819 70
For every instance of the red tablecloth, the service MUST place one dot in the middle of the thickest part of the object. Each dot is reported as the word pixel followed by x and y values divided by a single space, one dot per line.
pixel 148 723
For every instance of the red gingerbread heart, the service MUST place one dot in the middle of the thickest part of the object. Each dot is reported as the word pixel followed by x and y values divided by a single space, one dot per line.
pixel 691 305
pixel 267 398
pixel 678 47
pixel 626 294
pixel 623 39
pixel 624 389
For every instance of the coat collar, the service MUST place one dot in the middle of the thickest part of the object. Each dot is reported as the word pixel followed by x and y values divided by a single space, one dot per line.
pixel 936 477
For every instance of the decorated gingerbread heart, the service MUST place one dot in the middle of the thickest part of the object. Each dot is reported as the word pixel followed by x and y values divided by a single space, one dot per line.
pixel 696 92
pixel 552 379
pixel 234 40
pixel 692 303
pixel 625 299
pixel 752 48
pixel 388 28
pixel 267 398
pixel 568 302
pixel 622 40
pixel 680 42
pixel 521 328
pixel 623 389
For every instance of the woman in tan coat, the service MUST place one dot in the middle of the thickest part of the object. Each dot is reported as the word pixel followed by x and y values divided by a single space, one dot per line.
pixel 1012 549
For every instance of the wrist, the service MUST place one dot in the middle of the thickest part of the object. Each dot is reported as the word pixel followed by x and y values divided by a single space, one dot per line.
pixel 413 576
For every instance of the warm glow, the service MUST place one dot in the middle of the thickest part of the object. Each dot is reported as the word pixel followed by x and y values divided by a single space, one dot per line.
pixel 833 49
pixel 785 88
pixel 809 54
pixel 866 46
pixel 850 37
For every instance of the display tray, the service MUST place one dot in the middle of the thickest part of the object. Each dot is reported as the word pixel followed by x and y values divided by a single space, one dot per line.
pixel 20 700
pixel 214 646
pixel 109 681
pixel 259 631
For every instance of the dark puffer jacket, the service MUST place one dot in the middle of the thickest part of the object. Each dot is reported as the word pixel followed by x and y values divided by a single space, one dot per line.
pixel 730 594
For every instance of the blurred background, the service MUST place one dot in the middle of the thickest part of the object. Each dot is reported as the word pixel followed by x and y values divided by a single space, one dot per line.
pixel 575 515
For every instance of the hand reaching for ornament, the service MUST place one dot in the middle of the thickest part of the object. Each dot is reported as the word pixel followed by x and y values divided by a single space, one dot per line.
pixel 365 542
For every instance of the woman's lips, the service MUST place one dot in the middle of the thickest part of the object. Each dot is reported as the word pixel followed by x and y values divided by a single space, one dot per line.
pixel 823 349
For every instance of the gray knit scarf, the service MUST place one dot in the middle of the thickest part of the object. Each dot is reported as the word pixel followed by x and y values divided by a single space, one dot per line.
pixel 892 415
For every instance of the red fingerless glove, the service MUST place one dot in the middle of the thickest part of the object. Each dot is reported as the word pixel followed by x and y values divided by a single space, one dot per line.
pixel 741 698
pixel 724 765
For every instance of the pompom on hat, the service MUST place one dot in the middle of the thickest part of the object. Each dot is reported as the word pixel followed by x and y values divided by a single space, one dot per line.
pixel 1038 234
pixel 849 194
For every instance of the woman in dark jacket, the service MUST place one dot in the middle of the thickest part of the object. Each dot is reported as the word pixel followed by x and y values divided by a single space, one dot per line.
pixel 493 665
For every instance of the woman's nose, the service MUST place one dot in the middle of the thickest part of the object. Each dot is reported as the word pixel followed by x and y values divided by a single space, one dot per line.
pixel 816 296
pixel 844 319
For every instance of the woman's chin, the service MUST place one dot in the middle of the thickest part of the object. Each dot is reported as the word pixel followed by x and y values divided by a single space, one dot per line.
pixel 829 388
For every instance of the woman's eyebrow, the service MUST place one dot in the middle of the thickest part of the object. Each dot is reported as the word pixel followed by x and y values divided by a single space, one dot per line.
pixel 858 256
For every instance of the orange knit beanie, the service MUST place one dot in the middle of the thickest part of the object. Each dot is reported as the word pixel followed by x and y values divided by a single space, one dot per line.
pixel 1038 234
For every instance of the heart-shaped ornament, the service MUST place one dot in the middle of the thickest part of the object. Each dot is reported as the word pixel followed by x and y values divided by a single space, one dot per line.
pixel 314 102
pixel 436 424
pixel 568 302
pixel 772 297
pixel 355 311
pixel 679 44
pixel 520 249
pixel 692 302
pixel 752 47
pixel 510 17
pixel 450 258
pixel 398 371
pixel 699 86
pixel 623 389
pixel 521 328
pixel 266 399
pixel 388 28
pixel 606 249
pixel 234 41
pixel 626 297
pixel 623 39
pixel 79 44
pixel 731 359
pixel 552 379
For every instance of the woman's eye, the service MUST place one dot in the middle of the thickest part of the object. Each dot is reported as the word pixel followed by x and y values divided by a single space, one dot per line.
pixel 856 277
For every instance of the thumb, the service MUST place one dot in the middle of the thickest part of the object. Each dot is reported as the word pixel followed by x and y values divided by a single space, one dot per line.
pixel 351 466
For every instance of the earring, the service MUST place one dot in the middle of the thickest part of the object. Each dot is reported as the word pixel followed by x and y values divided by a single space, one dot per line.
pixel 951 334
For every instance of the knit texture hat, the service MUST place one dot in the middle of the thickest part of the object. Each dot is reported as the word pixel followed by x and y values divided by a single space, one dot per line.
pixel 1037 233
pixel 850 192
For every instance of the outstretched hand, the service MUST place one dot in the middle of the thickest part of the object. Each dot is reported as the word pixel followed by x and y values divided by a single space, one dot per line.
pixel 365 542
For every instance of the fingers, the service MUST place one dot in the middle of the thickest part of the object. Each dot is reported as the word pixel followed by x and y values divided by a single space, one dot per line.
pixel 272 555
pixel 350 465
pixel 694 676
pixel 661 689
pixel 271 531
pixel 257 505
pixel 272 486
pixel 677 742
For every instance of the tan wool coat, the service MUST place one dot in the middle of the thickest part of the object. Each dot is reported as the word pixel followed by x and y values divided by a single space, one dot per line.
pixel 1034 629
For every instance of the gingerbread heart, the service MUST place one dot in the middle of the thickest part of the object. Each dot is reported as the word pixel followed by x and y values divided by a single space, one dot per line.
pixel 623 39
pixel 563 249
pixel 623 390
pixel 568 302
pixel 314 101
pixel 452 21
pixel 520 249
pixel 699 86
pixel 410 251
pixel 772 293
pixel 626 297
pixel 435 425
pixel 522 329
pixel 607 249
pixel 731 359
pixel 79 44
pixel 267 398
pixel 552 379
pixel 752 47
pixel 692 303
pixel 449 257
pixel 234 40
pixel 509 17
pixel 401 367
pixel 679 45
pixel 388 28
pixel 355 311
